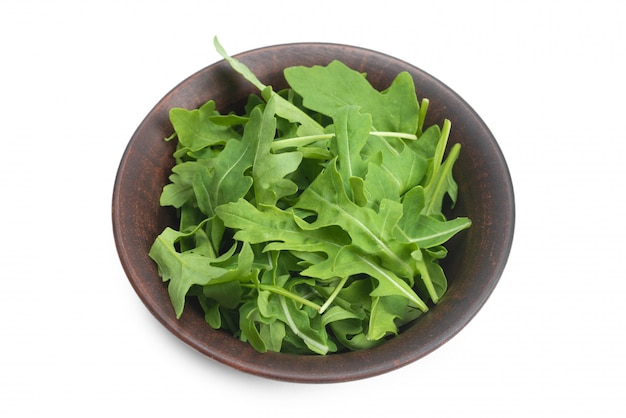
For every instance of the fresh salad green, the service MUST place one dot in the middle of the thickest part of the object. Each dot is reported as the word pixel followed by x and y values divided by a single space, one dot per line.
pixel 312 222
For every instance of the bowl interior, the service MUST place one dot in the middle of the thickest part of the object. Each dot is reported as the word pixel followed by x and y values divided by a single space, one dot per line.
pixel 476 257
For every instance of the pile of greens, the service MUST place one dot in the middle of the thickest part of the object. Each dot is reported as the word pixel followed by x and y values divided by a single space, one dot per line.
pixel 313 222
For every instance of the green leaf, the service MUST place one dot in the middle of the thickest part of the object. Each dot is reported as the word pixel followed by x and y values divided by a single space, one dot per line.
pixel 350 262
pixel 229 120
pixel 326 89
pixel 283 232
pixel 427 142
pixel 238 66
pixel 248 318
pixel 268 169
pixel 413 203
pixel 183 270
pixel 180 190
pixel 379 184
pixel 425 231
pixel 200 185
pixel 429 231
pixel 401 163
pixel 369 230
pixel 227 294
pixel 441 180
pixel 431 273
pixel 228 181
pixel 284 108
pixel 383 315
pixel 337 313
pixel 196 130
pixel 278 228
pixel 351 132
pixel 273 334
pixel 300 324
pixel 213 317
pixel 351 332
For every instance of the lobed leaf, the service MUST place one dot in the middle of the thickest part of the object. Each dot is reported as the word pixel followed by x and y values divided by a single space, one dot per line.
pixel 351 132
pixel 196 129
pixel 280 229
pixel 326 89
pixel 398 160
pixel 369 230
pixel 268 169
pixel 183 270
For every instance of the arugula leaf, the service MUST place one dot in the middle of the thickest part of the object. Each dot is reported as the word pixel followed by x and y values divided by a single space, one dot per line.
pixel 431 272
pixel 377 186
pixel 269 170
pixel 180 190
pixel 351 133
pixel 369 230
pixel 401 163
pixel 428 231
pixel 442 184
pixel 326 89
pixel 227 180
pixel 284 108
pixel 300 324
pixel 279 229
pixel 351 262
pixel 226 293
pixel 248 317
pixel 193 133
pixel 189 268
pixel 238 66
pixel 385 311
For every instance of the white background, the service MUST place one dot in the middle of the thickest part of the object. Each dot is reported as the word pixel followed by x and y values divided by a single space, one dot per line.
pixel 77 78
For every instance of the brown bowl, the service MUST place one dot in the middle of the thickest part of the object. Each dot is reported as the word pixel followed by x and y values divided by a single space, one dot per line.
pixel 476 257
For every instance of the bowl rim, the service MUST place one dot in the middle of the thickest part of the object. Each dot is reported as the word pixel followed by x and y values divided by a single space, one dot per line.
pixel 335 367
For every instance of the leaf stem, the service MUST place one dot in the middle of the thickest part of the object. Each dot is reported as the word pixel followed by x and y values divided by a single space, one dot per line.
pixel 284 292
pixel 300 141
pixel 333 295
pixel 422 116
pixel 395 135
pixel 425 275
pixel 438 157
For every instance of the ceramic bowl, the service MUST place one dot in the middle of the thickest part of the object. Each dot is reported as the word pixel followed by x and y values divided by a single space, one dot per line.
pixel 476 257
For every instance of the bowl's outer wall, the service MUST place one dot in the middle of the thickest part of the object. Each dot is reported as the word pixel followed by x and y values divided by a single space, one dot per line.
pixel 476 257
